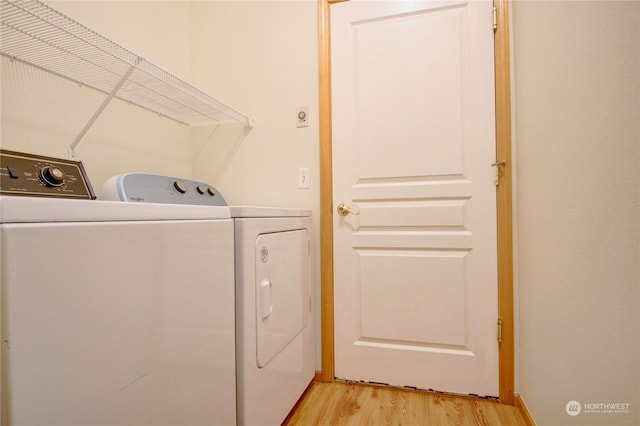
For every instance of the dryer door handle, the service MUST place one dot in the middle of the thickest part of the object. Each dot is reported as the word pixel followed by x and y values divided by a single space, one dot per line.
pixel 266 306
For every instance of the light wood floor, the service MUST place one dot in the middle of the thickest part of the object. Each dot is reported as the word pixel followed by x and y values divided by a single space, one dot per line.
pixel 341 403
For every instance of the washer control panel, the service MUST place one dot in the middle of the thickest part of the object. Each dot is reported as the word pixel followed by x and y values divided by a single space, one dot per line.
pixel 152 188
pixel 39 176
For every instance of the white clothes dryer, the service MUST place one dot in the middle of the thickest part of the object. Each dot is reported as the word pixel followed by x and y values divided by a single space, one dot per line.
pixel 274 322
pixel 112 313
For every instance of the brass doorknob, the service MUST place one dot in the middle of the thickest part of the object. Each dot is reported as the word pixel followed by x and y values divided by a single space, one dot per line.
pixel 344 209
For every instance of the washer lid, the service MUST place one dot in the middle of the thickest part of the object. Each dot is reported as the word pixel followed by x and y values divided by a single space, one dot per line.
pixel 256 211
pixel 36 209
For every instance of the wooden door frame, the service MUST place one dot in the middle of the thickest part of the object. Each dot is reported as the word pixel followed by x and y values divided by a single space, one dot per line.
pixel 503 195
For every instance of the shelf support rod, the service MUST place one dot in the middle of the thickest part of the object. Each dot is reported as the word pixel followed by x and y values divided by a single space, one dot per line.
pixel 85 129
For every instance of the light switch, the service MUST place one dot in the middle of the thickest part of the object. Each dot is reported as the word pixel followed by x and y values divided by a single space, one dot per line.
pixel 303 178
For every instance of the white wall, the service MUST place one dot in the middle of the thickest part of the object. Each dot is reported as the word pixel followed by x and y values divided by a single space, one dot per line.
pixel 577 128
pixel 43 114
pixel 260 57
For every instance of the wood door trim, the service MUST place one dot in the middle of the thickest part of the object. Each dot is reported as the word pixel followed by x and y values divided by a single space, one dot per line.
pixel 326 192
pixel 504 198
pixel 504 202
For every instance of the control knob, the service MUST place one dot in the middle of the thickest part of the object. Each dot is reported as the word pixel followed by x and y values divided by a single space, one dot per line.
pixel 52 176
pixel 180 186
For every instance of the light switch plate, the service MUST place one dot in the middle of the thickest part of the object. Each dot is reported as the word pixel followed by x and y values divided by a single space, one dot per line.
pixel 303 178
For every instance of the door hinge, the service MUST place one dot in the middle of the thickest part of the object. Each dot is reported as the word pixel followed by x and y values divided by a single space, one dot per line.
pixel 499 331
pixel 497 165
pixel 495 18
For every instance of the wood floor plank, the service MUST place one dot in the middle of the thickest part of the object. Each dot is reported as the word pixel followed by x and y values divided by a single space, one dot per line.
pixel 342 403
pixel 417 408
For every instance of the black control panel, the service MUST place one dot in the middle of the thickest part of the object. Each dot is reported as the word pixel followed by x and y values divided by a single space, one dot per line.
pixel 40 176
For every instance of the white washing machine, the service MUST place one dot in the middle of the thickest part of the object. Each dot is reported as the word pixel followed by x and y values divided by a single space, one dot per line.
pixel 274 322
pixel 112 313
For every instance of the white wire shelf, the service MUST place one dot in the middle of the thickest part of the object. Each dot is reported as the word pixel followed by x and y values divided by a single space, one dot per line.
pixel 39 35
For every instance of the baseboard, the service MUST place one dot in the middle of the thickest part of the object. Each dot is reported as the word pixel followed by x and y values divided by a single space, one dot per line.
pixel 523 410
pixel 318 376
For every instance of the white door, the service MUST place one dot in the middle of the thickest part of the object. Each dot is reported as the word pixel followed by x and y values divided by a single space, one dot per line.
pixel 413 143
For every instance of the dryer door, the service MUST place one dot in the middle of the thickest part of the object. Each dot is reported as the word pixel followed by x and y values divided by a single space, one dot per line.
pixel 283 295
